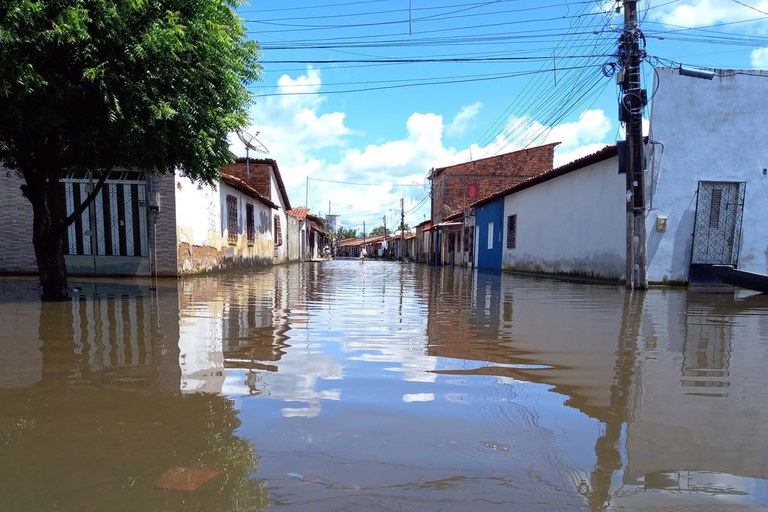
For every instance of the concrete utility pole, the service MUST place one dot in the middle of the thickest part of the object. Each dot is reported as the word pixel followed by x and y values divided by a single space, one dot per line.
pixel 631 113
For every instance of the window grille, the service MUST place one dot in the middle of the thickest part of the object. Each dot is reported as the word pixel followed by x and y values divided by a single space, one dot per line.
pixel 250 224
pixel 278 232
pixel 511 231
pixel 232 227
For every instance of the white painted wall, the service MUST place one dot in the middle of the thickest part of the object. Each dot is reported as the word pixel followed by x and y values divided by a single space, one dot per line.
pixel 201 222
pixel 198 213
pixel 572 224
pixel 710 130
pixel 291 248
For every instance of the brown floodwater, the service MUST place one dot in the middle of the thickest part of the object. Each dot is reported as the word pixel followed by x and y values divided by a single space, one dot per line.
pixel 348 386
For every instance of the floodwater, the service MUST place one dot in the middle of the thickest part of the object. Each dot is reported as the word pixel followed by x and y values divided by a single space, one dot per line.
pixel 348 386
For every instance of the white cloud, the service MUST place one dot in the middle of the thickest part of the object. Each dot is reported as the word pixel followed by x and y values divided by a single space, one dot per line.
pixel 364 183
pixel 698 13
pixel 759 58
pixel 461 122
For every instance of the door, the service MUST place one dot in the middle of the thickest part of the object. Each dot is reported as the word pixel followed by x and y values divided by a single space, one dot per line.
pixel 717 228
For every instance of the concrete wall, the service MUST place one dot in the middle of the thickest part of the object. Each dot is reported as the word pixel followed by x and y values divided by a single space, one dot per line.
pixel 203 237
pixel 571 224
pixel 706 130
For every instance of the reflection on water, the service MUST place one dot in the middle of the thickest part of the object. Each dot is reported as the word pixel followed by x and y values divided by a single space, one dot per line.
pixel 381 386
pixel 91 416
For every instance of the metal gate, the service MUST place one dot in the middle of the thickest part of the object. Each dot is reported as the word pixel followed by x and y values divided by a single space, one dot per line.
pixel 115 223
pixel 717 228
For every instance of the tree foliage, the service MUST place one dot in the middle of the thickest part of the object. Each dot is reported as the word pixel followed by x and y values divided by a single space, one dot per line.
pixel 91 85
pixel 345 233
pixel 380 230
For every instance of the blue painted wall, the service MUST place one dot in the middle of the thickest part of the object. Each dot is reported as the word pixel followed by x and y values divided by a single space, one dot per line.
pixel 492 212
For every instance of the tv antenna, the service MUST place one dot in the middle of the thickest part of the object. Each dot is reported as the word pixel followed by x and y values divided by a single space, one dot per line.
pixel 251 143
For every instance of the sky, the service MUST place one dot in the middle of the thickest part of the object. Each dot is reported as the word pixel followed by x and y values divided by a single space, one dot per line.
pixel 360 99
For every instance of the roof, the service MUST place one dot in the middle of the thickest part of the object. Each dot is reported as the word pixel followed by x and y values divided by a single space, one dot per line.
pixel 246 189
pixel 353 242
pixel 607 152
pixel 299 213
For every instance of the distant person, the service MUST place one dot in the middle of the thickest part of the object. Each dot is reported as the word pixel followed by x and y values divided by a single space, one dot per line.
pixel 327 252
pixel 362 254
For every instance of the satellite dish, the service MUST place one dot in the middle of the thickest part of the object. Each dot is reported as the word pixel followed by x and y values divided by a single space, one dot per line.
pixel 251 143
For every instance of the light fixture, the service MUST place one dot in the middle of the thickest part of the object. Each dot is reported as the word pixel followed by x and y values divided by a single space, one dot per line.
pixel 704 74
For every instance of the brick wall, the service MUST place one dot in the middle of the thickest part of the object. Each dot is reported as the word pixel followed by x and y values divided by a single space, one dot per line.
pixel 162 226
pixel 451 185
pixel 17 254
pixel 255 174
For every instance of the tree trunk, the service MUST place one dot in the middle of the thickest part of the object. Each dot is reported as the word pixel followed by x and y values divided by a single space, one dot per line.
pixel 47 198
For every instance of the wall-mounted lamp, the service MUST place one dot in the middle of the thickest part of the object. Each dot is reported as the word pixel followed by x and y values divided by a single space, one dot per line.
pixel 704 74
pixel 154 202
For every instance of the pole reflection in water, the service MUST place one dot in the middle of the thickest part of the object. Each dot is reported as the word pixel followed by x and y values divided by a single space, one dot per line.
pixel 386 386
pixel 96 421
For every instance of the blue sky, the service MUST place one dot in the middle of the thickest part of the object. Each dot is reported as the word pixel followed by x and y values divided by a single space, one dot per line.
pixel 359 99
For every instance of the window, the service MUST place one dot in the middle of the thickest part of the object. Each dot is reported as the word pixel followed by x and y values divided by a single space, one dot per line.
pixel 490 236
pixel 232 224
pixel 473 191
pixel 278 232
pixel 511 231
pixel 250 225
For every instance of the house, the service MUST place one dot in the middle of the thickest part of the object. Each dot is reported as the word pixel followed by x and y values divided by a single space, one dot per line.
pixel 421 246
pixel 121 233
pixel 706 187
pixel 264 176
pixel 455 187
pixel 313 237
pixel 707 175
pixel 141 225
pixel 571 220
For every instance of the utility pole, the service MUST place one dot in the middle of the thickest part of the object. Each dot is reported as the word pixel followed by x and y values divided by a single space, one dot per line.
pixel 402 231
pixel 631 113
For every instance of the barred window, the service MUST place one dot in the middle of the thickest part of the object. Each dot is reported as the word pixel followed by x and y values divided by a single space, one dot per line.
pixel 250 224
pixel 511 231
pixel 232 224
pixel 278 232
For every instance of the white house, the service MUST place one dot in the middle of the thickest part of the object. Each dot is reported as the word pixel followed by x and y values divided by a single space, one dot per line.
pixel 706 190
pixel 707 174
pixel 227 226
pixel 570 221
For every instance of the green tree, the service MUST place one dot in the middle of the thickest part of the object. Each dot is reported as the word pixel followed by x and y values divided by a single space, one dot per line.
pixel 91 85
pixel 380 230
pixel 345 233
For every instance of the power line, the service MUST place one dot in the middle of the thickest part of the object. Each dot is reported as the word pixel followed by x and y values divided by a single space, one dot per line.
pixel 368 184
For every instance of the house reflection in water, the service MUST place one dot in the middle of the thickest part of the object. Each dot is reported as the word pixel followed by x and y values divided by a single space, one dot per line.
pixel 672 377
pixel 96 421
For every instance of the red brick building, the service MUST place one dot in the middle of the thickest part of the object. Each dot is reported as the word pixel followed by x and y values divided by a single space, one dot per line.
pixel 457 186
